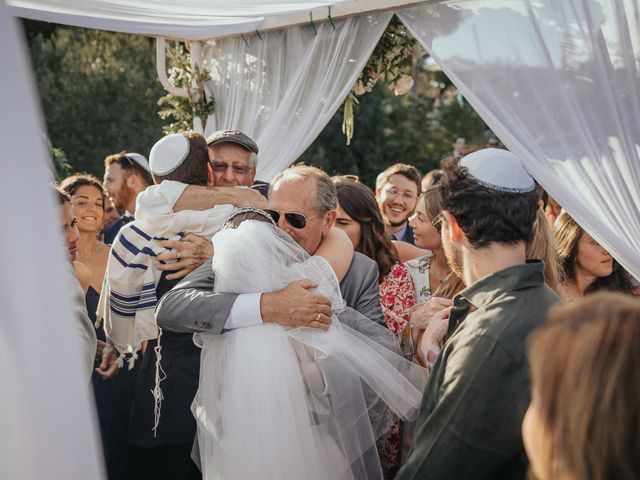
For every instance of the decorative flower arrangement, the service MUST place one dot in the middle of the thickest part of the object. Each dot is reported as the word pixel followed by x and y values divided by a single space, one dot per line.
pixel 184 109
pixel 392 62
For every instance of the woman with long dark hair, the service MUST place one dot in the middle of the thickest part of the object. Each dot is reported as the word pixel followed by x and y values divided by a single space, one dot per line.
pixel 587 266
pixel 113 395
pixel 359 217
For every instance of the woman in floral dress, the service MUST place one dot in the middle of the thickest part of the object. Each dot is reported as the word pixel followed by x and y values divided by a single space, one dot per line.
pixel 359 217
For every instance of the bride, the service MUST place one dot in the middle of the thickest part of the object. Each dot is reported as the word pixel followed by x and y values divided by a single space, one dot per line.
pixel 280 403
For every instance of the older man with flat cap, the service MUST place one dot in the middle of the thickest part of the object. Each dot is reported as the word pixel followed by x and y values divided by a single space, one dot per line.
pixel 232 157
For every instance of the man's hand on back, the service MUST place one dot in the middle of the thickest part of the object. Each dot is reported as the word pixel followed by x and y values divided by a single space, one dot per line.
pixel 244 197
pixel 184 255
pixel 295 306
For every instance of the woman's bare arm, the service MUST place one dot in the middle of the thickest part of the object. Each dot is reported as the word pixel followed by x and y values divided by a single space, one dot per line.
pixel 337 249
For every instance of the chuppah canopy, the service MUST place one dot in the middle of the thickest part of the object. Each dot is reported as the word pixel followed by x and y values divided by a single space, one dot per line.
pixel 194 19
pixel 557 81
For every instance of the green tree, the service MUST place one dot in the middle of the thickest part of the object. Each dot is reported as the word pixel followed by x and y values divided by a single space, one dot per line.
pixel 99 92
pixel 416 128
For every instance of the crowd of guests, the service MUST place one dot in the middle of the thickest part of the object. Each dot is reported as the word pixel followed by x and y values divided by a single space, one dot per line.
pixel 465 262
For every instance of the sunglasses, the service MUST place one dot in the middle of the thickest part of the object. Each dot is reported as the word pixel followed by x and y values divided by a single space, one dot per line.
pixel 295 219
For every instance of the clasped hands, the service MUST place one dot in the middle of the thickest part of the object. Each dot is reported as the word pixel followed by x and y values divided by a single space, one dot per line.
pixel 184 255
pixel 431 316
pixel 108 366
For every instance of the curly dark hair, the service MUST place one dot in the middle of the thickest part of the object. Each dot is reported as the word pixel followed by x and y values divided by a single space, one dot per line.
pixel 360 204
pixel 72 183
pixel 486 215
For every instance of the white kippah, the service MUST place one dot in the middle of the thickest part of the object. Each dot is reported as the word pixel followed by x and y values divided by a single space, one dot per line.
pixel 498 169
pixel 139 159
pixel 168 154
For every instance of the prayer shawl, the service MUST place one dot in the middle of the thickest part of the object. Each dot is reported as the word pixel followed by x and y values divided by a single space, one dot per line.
pixel 128 300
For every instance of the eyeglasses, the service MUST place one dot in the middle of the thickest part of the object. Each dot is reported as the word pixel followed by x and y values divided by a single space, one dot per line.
pixel 237 169
pixel 295 219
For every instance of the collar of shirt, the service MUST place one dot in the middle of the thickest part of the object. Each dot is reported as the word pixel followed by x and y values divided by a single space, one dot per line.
pixel 486 290
pixel 399 235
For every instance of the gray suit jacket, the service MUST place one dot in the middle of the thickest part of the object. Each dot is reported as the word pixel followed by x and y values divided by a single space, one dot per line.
pixel 192 306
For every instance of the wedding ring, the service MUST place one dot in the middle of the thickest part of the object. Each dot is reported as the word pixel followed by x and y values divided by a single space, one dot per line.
pixel 178 256
pixel 317 317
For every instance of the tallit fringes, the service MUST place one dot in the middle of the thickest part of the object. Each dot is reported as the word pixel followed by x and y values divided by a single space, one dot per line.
pixel 157 391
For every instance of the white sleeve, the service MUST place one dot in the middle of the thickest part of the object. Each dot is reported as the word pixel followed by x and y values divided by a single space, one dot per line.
pixel 245 312
pixel 158 199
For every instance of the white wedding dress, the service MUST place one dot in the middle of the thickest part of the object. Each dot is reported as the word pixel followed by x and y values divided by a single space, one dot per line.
pixel 278 403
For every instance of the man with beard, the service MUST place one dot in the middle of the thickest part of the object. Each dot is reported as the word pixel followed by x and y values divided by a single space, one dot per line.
pixel 125 176
pixel 478 391
pixel 397 191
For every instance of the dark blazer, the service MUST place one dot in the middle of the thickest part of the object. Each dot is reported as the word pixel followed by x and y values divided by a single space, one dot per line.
pixel 407 236
pixel 192 306
pixel 110 232
pixel 180 360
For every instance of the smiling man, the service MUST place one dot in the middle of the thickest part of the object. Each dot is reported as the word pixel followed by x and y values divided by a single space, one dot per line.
pixel 397 191
pixel 125 176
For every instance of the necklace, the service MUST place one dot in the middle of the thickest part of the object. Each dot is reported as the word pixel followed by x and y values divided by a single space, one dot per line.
pixel 84 258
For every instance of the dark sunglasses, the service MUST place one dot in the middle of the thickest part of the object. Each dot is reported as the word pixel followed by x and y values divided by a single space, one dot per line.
pixel 295 219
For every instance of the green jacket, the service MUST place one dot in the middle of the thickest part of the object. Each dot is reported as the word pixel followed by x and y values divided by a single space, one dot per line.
pixel 478 391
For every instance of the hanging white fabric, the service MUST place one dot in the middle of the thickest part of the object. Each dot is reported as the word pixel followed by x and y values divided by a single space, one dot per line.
pixel 47 418
pixel 283 87
pixel 558 82
pixel 183 19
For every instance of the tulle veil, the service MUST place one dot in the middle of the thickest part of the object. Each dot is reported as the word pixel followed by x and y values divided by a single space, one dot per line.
pixel 278 403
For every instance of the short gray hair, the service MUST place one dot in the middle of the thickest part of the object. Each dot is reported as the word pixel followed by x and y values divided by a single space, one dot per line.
pixel 326 196
pixel 253 160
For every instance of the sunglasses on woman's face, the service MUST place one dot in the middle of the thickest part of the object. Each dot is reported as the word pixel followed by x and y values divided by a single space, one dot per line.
pixel 295 219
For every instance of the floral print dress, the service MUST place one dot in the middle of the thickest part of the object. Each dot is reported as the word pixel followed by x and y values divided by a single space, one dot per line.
pixel 397 297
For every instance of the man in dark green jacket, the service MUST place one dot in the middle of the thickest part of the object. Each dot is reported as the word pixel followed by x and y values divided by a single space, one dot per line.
pixel 478 391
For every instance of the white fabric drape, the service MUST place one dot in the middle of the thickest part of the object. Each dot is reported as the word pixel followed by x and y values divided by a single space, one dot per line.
pixel 284 88
pixel 47 425
pixel 558 82
pixel 192 19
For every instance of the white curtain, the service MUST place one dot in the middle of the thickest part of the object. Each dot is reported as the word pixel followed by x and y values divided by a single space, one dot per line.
pixel 47 424
pixel 282 89
pixel 558 82
pixel 194 19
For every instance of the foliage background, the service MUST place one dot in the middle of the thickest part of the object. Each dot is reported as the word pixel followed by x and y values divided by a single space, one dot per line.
pixel 99 93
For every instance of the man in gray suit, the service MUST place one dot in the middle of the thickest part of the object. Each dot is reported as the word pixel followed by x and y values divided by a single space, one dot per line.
pixel 303 202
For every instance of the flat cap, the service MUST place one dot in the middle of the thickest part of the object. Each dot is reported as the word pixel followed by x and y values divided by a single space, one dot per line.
pixel 232 136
